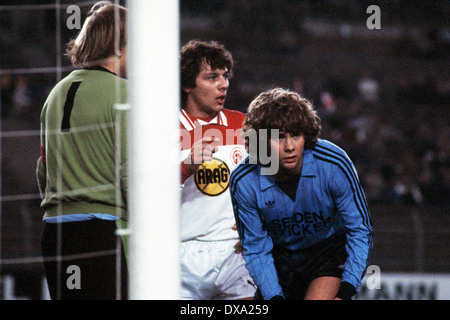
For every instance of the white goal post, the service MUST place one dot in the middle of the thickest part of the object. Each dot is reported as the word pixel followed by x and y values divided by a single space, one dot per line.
pixel 153 91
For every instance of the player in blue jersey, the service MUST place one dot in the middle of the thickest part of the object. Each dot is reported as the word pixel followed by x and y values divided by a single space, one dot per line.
pixel 305 230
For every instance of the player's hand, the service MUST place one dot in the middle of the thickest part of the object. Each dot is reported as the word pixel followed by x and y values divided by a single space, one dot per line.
pixel 201 151
pixel 237 247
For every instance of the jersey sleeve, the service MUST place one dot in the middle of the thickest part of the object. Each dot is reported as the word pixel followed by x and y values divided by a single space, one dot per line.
pixel 121 118
pixel 256 243
pixel 40 176
pixel 353 210
pixel 41 163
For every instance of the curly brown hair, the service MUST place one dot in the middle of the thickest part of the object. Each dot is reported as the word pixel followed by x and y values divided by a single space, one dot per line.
pixel 286 111
pixel 194 55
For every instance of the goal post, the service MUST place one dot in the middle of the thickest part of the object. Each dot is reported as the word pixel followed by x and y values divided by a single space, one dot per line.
pixel 153 91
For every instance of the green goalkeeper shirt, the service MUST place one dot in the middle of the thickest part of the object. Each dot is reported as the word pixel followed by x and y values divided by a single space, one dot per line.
pixel 83 163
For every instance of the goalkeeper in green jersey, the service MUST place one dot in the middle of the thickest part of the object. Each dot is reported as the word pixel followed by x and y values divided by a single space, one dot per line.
pixel 82 171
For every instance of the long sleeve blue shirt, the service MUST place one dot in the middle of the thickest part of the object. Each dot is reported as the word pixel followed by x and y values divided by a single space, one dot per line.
pixel 329 201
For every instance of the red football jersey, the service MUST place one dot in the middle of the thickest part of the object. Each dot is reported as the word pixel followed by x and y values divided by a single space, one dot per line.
pixel 206 209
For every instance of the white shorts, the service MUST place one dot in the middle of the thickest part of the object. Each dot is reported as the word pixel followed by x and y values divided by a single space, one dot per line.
pixel 212 270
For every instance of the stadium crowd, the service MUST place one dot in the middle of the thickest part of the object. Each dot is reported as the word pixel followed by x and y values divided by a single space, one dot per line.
pixel 394 126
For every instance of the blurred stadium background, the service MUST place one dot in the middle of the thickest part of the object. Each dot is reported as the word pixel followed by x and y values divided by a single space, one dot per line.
pixel 383 96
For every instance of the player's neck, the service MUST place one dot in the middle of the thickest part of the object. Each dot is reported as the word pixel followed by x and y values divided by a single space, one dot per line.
pixel 112 64
pixel 199 114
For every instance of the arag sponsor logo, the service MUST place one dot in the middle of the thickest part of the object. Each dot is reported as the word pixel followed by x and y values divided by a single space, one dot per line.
pixel 212 177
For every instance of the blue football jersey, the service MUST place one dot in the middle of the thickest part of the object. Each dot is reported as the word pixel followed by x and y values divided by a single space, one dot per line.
pixel 329 201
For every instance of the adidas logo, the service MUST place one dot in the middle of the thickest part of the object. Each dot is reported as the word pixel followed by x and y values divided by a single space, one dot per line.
pixel 270 203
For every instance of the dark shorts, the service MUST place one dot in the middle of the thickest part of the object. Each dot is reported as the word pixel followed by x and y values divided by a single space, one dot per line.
pixel 298 268
pixel 94 248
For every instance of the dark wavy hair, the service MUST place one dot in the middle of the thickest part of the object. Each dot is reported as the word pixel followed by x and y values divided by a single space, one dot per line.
pixel 194 55
pixel 286 111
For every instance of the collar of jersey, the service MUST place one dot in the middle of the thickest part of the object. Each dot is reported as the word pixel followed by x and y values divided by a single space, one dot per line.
pixel 309 169
pixel 191 122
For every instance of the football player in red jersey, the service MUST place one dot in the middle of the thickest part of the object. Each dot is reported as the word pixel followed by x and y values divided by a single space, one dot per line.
pixel 211 147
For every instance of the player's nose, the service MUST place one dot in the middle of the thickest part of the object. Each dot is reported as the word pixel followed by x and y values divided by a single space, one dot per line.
pixel 223 83
pixel 289 144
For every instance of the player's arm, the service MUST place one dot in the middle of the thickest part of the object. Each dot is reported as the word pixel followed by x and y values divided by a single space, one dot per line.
pixel 352 206
pixel 201 151
pixel 40 175
pixel 256 243
pixel 41 165
pixel 123 127
pixel 120 117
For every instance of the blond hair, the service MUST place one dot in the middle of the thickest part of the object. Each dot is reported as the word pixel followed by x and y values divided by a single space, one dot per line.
pixel 102 36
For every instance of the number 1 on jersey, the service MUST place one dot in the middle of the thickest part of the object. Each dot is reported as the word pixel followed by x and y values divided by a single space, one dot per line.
pixel 68 106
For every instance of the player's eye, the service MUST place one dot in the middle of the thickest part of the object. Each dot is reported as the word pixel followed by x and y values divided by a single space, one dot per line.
pixel 211 76
pixel 281 136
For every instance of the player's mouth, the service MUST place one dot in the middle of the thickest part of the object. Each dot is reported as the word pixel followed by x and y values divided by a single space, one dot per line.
pixel 221 99
pixel 290 159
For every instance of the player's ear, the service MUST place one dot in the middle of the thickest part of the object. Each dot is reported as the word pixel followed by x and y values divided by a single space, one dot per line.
pixel 187 90
pixel 120 52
